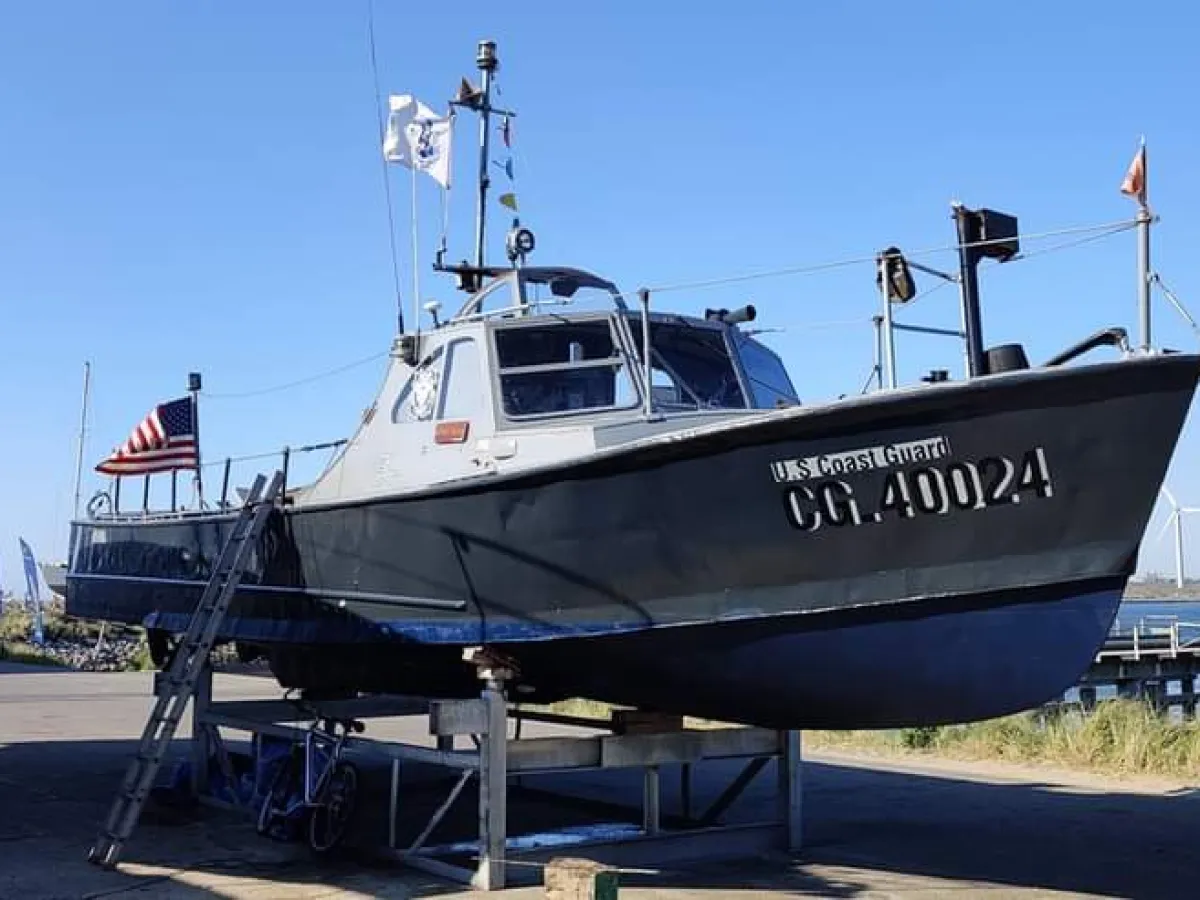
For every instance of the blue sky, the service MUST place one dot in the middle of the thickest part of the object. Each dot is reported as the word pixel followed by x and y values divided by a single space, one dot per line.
pixel 197 187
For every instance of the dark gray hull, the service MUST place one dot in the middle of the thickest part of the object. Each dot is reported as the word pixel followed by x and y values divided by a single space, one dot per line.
pixel 944 521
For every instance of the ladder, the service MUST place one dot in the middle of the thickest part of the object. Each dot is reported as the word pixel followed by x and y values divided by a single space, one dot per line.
pixel 187 664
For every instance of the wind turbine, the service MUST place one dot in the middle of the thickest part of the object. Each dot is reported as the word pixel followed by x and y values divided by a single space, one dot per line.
pixel 1177 513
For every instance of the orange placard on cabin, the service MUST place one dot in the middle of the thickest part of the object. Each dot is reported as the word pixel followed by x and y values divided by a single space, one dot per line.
pixel 451 432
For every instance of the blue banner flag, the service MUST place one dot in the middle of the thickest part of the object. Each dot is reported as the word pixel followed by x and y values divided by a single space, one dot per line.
pixel 33 594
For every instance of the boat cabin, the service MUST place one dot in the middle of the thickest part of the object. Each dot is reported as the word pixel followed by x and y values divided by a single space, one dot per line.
pixel 544 364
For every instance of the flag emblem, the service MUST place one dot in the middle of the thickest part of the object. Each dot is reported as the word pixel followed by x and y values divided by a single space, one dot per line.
pixel 163 441
pixel 418 138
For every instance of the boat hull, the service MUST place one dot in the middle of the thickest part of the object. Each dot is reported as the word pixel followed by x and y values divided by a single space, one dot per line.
pixel 940 516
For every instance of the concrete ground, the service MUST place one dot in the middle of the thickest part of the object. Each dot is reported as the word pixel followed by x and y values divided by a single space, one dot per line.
pixel 874 828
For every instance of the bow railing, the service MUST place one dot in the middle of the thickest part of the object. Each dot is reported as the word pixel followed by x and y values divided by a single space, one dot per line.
pixel 166 501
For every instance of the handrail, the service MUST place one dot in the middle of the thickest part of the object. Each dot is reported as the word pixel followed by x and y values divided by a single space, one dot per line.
pixel 1110 337
pixel 114 499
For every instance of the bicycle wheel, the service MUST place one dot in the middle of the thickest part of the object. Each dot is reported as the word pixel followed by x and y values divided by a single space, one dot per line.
pixel 331 816
pixel 276 799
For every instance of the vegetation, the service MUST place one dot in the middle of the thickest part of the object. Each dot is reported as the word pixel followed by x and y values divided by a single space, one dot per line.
pixel 1154 586
pixel 1122 736
pixel 21 652
pixel 1118 736
pixel 72 643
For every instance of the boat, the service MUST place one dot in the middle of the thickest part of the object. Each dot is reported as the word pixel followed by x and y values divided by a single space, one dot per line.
pixel 55 575
pixel 686 535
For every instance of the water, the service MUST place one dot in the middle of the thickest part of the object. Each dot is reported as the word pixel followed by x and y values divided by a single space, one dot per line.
pixel 1133 610
pixel 1130 614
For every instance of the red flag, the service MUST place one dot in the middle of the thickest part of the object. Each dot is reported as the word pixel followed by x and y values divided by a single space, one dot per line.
pixel 1134 184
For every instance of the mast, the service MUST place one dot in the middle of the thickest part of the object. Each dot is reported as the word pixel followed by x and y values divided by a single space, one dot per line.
pixel 194 386
pixel 488 62
pixel 1144 277
pixel 87 381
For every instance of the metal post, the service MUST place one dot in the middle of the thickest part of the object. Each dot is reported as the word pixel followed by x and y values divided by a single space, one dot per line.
pixel 394 803
pixel 887 333
pixel 145 493
pixel 1144 276
pixel 877 365
pixel 287 458
pixel 174 490
pixel 116 494
pixel 685 790
pixel 1187 691
pixel 201 740
pixel 493 793
pixel 647 380
pixel 791 762
pixel 87 383
pixel 968 258
pixel 225 482
pixel 651 806
pixel 194 384
pixel 487 62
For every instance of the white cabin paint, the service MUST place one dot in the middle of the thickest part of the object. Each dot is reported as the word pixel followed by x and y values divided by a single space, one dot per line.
pixel 531 389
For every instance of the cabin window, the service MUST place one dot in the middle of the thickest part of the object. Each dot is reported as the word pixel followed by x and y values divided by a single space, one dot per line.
pixel 769 381
pixel 462 385
pixel 560 368
pixel 691 366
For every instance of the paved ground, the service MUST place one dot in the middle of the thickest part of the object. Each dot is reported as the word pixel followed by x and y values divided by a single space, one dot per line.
pixel 875 828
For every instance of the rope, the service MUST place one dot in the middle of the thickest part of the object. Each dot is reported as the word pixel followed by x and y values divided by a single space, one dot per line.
pixel 300 381
pixel 387 184
pixel 1067 245
pixel 1109 227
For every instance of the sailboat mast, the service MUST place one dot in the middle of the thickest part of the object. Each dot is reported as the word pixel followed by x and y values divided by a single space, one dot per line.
pixel 487 62
pixel 87 383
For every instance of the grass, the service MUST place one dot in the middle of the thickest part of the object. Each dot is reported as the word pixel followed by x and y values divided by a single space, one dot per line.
pixel 1119 736
pixel 21 652
pixel 16 627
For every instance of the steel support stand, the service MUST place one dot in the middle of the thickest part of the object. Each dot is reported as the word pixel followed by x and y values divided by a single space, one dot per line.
pixel 685 789
pixel 791 785
pixel 493 784
pixel 201 742
pixel 651 801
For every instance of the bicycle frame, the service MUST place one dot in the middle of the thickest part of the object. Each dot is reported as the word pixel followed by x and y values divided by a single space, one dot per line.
pixel 323 743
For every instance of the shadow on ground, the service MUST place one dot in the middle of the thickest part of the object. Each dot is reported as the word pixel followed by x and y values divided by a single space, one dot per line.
pixel 867 829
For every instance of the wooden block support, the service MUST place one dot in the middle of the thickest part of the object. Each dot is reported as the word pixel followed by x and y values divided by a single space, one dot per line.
pixel 579 879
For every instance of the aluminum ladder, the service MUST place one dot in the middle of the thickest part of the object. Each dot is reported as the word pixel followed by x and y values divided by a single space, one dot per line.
pixel 187 664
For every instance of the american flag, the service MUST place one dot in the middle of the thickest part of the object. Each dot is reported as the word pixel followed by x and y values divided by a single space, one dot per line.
pixel 164 440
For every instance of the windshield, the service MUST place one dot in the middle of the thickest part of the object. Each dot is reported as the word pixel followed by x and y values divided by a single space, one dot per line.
pixel 769 381
pixel 691 367
pixel 561 367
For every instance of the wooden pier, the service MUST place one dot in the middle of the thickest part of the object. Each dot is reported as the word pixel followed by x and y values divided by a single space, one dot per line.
pixel 1142 662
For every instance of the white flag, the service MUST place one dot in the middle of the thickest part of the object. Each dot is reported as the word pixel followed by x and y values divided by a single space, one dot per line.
pixel 418 138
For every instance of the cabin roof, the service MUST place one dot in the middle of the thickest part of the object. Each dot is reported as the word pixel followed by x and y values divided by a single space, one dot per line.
pixel 563 281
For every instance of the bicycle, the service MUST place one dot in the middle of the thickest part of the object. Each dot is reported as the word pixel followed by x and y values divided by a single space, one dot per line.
pixel 314 786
